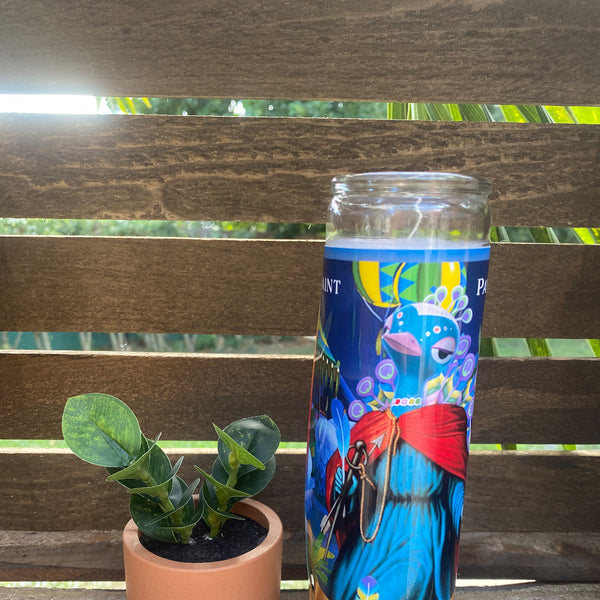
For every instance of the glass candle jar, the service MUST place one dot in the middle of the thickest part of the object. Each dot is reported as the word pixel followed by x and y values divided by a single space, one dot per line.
pixel 403 290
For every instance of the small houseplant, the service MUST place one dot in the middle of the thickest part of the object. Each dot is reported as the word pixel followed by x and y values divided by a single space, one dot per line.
pixel 103 430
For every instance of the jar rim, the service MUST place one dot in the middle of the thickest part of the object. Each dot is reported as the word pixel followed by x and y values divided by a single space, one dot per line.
pixel 430 183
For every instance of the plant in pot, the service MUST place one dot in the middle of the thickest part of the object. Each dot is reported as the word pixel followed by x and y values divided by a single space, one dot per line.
pixel 172 528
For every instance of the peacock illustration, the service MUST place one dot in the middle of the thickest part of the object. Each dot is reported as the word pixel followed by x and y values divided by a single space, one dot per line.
pixel 390 427
pixel 421 340
pixel 406 465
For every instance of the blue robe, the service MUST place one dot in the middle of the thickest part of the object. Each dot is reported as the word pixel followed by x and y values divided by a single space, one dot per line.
pixel 415 525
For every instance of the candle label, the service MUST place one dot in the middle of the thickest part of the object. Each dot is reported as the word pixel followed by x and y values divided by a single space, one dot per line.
pixel 391 406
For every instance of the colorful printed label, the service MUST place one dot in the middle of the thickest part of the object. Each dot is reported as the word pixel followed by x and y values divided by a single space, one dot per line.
pixel 390 421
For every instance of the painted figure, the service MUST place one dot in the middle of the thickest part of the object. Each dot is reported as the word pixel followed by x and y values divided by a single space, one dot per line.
pixel 416 458
pixel 386 474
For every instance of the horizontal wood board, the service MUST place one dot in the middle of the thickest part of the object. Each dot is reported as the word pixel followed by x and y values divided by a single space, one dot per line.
pixel 494 51
pixel 518 491
pixel 97 556
pixel 528 401
pixel 278 170
pixel 258 286
pixel 526 591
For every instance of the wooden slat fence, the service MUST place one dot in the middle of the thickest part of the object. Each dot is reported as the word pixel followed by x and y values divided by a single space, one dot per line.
pixel 404 51
pixel 529 515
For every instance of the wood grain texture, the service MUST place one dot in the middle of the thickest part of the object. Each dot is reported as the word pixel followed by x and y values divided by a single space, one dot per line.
pixel 527 591
pixel 211 168
pixel 527 401
pixel 269 287
pixel 493 51
pixel 154 285
pixel 97 556
pixel 510 491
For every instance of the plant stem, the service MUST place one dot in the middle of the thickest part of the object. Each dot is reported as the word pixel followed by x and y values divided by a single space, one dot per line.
pixel 166 504
pixel 214 520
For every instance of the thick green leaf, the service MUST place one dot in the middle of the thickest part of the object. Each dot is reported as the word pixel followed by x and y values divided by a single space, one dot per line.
pixel 223 492
pixel 158 466
pixel 251 482
pixel 211 507
pixel 255 481
pixel 172 526
pixel 258 435
pixel 187 495
pixel 134 469
pixel 237 454
pixel 101 430
pixel 153 491
pixel 158 490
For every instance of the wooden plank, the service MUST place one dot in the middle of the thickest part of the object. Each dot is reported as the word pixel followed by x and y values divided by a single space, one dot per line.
pixel 155 167
pixel 211 168
pixel 61 556
pixel 533 286
pixel 97 556
pixel 495 52
pixel 528 401
pixel 544 555
pixel 520 591
pixel 263 287
pixel 154 285
pixel 535 400
pixel 519 491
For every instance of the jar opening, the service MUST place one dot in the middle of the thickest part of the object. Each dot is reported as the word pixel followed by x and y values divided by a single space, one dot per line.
pixel 405 183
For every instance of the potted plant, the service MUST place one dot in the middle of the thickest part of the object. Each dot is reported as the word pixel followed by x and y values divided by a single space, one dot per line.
pixel 171 526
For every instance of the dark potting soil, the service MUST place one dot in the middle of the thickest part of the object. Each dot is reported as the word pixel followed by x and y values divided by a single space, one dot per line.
pixel 237 537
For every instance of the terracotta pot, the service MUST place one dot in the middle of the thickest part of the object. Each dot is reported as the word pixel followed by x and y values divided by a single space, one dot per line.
pixel 255 575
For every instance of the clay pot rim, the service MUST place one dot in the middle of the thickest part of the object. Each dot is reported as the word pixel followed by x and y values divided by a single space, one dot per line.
pixel 253 509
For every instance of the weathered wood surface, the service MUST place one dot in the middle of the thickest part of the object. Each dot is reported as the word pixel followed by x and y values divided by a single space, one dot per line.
pixel 97 556
pixel 211 168
pixel 510 491
pixel 269 287
pixel 493 51
pixel 521 591
pixel 508 407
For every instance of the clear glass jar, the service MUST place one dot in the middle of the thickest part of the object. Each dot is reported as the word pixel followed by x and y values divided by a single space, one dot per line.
pixel 421 208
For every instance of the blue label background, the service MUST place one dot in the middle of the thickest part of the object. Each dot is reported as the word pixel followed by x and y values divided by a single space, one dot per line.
pixel 351 326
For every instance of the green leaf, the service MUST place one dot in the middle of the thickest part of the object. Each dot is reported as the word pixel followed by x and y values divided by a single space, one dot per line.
pixel 211 506
pixel 188 494
pixel 101 430
pixel 133 470
pixel 158 467
pixel 560 114
pixel 512 114
pixel 397 110
pixel 259 436
pixel 472 112
pixel 251 482
pixel 538 347
pixel 586 114
pixel 236 453
pixel 255 481
pixel 167 527
pixel 529 112
pixel 155 491
pixel 224 493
